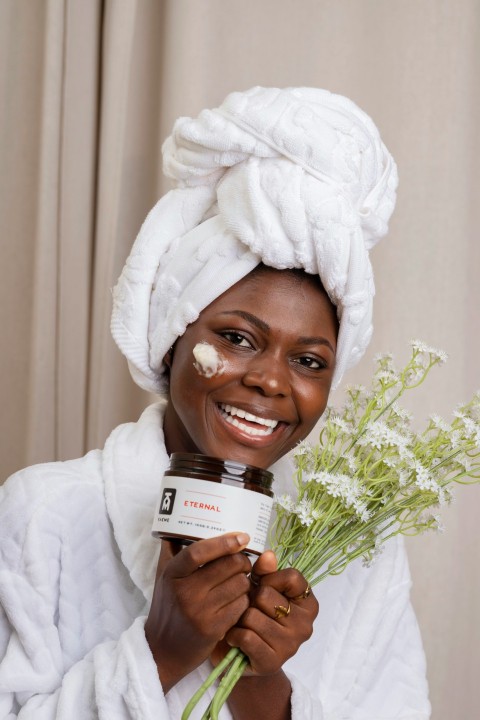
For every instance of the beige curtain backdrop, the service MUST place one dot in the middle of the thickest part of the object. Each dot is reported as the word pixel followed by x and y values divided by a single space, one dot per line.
pixel 89 90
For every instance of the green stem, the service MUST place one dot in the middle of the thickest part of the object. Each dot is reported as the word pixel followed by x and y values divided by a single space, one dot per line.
pixel 216 672
pixel 229 680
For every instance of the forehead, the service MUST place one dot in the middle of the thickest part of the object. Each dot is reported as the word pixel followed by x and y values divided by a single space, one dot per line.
pixel 282 295
pixel 267 281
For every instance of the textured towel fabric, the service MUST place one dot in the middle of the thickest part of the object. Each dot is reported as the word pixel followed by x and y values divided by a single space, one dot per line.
pixel 293 178
pixel 77 571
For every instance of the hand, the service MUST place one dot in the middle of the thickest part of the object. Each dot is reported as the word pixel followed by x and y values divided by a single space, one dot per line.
pixel 268 640
pixel 200 592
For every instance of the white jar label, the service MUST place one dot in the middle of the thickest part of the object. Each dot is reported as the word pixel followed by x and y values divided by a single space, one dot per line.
pixel 189 507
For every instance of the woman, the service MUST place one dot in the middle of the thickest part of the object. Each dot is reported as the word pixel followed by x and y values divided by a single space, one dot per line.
pixel 261 251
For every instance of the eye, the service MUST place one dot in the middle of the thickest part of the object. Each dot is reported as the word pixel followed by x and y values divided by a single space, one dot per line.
pixel 311 363
pixel 236 339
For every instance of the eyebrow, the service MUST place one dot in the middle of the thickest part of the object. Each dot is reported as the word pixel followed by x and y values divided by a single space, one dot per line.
pixel 262 325
pixel 316 341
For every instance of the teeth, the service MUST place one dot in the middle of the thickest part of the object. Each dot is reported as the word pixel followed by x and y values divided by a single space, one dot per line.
pixel 231 410
pixel 229 413
pixel 246 428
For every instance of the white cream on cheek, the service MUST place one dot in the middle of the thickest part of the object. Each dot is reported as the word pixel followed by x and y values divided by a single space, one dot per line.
pixel 208 362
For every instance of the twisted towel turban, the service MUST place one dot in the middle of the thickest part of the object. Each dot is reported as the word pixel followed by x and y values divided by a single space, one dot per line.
pixel 293 178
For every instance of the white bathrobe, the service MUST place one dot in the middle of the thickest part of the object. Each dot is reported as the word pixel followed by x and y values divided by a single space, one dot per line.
pixel 76 578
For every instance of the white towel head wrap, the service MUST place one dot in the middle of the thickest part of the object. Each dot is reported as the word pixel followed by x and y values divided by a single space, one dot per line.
pixel 293 178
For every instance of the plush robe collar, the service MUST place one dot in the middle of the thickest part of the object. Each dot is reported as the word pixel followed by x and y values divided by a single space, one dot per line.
pixel 134 460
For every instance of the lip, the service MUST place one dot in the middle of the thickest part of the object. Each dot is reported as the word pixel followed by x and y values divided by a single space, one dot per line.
pixel 234 414
pixel 261 412
pixel 244 436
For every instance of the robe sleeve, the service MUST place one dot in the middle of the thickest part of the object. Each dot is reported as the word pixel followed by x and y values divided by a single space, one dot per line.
pixel 391 677
pixel 374 664
pixel 303 703
pixel 72 641
pixel 115 680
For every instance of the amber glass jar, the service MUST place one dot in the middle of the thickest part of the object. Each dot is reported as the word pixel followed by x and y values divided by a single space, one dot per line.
pixel 202 496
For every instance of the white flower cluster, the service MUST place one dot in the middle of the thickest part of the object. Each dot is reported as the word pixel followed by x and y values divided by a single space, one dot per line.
pixel 285 501
pixel 349 489
pixel 303 509
pixel 472 428
pixel 379 436
pixel 404 417
pixel 305 512
pixel 439 423
pixel 423 479
pixel 370 476
pixel 338 422
pixel 420 347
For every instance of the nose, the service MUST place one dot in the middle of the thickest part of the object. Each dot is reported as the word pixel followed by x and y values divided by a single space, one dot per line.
pixel 268 375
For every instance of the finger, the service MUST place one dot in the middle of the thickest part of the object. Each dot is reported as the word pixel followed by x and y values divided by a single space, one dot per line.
pixel 266 644
pixel 217 572
pixel 254 623
pixel 271 602
pixel 265 564
pixel 262 657
pixel 282 607
pixel 284 633
pixel 288 582
pixel 230 590
pixel 168 549
pixel 218 623
pixel 266 596
pixel 304 595
pixel 204 551
pixel 229 615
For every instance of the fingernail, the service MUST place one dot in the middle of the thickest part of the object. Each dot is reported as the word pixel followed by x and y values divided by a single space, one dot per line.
pixel 243 539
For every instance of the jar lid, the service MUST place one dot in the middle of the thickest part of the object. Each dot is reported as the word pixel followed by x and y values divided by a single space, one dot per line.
pixel 233 469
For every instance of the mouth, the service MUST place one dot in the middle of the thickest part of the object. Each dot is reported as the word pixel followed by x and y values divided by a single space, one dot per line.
pixel 247 422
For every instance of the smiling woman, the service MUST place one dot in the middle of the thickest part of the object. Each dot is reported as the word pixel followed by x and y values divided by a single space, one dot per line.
pixel 246 296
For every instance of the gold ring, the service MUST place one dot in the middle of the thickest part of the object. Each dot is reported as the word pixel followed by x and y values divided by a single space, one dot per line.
pixel 305 594
pixel 282 611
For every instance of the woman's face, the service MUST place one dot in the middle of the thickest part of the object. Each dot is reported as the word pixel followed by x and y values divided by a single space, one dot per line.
pixel 276 332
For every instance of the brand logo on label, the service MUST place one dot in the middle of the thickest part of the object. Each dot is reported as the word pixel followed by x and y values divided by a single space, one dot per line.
pixel 167 501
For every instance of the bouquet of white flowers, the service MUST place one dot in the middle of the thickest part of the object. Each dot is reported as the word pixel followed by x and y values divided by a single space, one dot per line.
pixel 369 477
